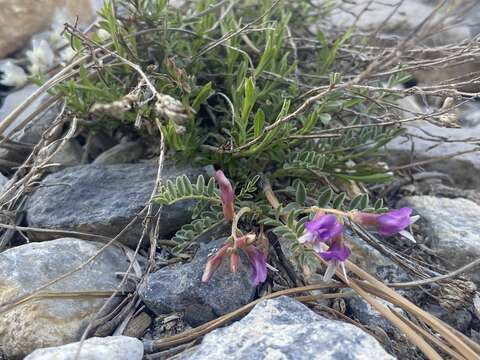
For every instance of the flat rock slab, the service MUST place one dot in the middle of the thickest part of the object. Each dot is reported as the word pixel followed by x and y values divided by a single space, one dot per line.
pixel 52 321
pixel 179 288
pixel 464 169
pixel 123 153
pixel 33 131
pixel 452 228
pixel 369 16
pixel 410 14
pixel 283 328
pixel 108 348
pixel 373 261
pixel 102 200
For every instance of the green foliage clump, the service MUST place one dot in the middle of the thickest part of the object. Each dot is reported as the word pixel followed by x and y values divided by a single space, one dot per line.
pixel 245 72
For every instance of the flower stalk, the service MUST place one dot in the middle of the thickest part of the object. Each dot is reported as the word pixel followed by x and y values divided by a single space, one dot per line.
pixel 237 241
pixel 235 221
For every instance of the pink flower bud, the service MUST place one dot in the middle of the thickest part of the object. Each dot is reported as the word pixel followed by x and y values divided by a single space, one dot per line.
pixel 226 195
pixel 214 262
pixel 256 257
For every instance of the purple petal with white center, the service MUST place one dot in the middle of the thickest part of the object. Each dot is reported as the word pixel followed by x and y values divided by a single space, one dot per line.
pixel 306 238
pixel 324 228
pixel 394 221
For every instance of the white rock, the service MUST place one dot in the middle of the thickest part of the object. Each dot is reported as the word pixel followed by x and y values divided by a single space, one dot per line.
pixel 16 98
pixel 108 348
pixel 284 329
pixel 452 228
pixel 21 19
pixel 52 321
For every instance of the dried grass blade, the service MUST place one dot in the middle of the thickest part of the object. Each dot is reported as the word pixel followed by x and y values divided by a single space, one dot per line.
pixel 429 336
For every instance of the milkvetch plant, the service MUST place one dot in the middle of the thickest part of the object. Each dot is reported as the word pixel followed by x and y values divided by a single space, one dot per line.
pixel 323 233
pixel 294 115
pixel 239 92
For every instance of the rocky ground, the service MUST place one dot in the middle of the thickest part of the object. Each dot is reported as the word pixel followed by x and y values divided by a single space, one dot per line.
pixel 90 190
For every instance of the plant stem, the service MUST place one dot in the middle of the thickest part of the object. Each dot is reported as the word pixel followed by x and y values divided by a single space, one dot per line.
pixel 235 224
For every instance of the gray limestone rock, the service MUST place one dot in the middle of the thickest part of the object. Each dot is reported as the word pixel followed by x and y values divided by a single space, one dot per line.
pixel 452 228
pixel 3 181
pixel 108 348
pixel 15 98
pixel 103 199
pixel 283 328
pixel 464 169
pixel 32 132
pixel 70 154
pixel 460 319
pixel 122 153
pixel 44 322
pixel 179 288
pixel 373 261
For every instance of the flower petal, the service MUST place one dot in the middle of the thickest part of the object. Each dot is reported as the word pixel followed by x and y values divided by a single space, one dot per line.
pixel 214 262
pixel 394 221
pixel 330 271
pixel 408 236
pixel 324 227
pixel 258 263
pixel 337 251
pixel 306 238
pixel 13 75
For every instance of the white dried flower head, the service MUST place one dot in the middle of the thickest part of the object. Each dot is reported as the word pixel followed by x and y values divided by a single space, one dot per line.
pixel 115 109
pixel 41 56
pixel 103 35
pixel 55 37
pixel 67 54
pixel 171 108
pixel 13 75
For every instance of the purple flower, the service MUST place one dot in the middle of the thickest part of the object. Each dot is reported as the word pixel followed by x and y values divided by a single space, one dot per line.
pixel 258 263
pixel 335 256
pixel 323 228
pixel 337 252
pixel 390 223
pixel 394 221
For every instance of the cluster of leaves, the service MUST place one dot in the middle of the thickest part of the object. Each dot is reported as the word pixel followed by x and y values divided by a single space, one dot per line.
pixel 237 70
pixel 183 189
